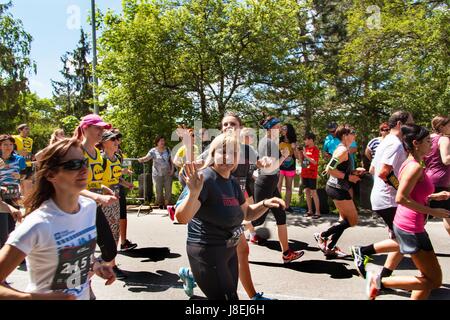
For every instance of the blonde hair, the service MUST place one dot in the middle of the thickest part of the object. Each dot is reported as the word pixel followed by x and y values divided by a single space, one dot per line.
pixel 438 123
pixel 225 140
pixel 53 137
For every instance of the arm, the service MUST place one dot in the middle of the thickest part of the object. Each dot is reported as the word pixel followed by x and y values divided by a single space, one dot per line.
pixel 254 211
pixel 10 258
pixel 189 206
pixel 15 213
pixel 368 154
pixel 384 172
pixel 444 148
pixel 341 155
pixel 410 176
pixel 101 199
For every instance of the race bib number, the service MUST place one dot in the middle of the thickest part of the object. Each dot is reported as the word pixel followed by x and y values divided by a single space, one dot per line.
pixel 242 181
pixel 235 237
pixel 10 192
pixel 73 266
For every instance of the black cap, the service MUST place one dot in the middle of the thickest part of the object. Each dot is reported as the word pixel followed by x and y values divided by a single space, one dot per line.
pixel 107 135
pixel 331 125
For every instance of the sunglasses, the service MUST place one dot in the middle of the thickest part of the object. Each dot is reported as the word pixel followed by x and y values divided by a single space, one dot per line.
pixel 73 165
pixel 353 132
pixel 384 130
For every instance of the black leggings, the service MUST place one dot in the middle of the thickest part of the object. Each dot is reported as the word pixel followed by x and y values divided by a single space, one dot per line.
pixel 123 202
pixel 215 269
pixel 266 187
pixel 7 224
pixel 105 239
pixel 336 232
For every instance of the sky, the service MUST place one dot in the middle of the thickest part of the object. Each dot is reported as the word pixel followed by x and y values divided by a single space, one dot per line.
pixel 55 28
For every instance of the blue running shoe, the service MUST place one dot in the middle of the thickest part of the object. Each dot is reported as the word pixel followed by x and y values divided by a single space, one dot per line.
pixel 260 296
pixel 188 281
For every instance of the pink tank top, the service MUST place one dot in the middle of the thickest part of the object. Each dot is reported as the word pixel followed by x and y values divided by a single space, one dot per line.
pixel 409 220
pixel 435 169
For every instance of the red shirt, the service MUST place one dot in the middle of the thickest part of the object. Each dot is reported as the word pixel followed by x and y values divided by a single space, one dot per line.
pixel 309 170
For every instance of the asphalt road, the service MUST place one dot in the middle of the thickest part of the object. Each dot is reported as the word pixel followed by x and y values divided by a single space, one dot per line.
pixel 153 267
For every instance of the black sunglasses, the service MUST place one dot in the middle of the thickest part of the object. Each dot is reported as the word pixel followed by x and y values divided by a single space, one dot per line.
pixel 384 130
pixel 73 165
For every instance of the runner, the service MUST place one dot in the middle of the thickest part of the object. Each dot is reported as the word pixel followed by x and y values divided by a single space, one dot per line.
pixel 341 175
pixel 214 206
pixel 385 168
pixel 437 162
pixel 58 236
pixel 89 133
pixel 309 158
pixel 24 146
pixel 375 142
pixel 288 140
pixel 266 184
pixel 112 179
pixel 12 168
pixel 125 244
pixel 409 222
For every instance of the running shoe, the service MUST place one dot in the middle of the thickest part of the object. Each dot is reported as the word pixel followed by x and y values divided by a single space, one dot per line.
pixel 256 239
pixel 321 242
pixel 171 211
pixel 292 255
pixel 373 285
pixel 338 253
pixel 360 260
pixel 188 281
pixel 260 296
pixel 128 245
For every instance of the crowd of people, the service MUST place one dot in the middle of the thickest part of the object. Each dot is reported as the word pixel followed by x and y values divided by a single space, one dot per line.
pixel 59 204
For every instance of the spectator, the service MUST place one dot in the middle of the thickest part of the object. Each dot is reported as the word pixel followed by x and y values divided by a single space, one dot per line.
pixel 188 153
pixel 288 140
pixel 309 158
pixel 24 147
pixel 162 171
pixel 373 144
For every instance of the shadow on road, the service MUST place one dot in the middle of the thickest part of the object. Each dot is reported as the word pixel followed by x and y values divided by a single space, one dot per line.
pixel 443 255
pixel 293 244
pixel 151 254
pixel 143 281
pixel 336 270
pixel 406 264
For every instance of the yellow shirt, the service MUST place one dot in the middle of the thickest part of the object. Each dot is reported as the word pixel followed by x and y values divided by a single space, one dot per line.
pixel 24 144
pixel 95 175
pixel 181 153
pixel 112 174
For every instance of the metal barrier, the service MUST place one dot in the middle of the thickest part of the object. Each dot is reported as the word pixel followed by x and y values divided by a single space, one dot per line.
pixel 128 162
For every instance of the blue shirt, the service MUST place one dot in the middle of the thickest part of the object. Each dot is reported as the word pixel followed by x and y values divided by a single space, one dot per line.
pixel 15 164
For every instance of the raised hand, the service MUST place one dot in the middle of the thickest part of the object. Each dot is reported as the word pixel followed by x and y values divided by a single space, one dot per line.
pixel 194 180
pixel 275 203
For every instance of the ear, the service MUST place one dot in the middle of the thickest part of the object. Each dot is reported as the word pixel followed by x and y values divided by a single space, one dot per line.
pixel 51 176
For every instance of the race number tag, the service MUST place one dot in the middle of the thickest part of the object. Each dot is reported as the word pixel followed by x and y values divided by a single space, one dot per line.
pixel 242 181
pixel 73 266
pixel 10 192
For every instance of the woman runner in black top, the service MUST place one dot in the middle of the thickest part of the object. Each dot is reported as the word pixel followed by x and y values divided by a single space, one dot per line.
pixel 214 207
pixel 340 170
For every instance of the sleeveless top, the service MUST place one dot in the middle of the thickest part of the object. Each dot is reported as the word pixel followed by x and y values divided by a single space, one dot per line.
pixel 407 219
pixel 435 169
pixel 95 175
pixel 112 173
pixel 345 167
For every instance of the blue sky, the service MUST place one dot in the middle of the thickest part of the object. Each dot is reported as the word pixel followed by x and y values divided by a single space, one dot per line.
pixel 55 30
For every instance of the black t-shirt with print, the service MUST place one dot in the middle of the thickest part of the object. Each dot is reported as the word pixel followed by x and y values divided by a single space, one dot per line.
pixel 220 213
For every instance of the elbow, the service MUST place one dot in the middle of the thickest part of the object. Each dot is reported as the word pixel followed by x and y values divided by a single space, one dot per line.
pixel 447 161
pixel 180 218
pixel 400 199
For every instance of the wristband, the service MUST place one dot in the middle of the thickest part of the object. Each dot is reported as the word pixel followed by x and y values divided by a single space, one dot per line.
pixel 347 174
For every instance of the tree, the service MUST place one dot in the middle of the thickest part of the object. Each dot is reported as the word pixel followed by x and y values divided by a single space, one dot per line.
pixel 15 65
pixel 74 93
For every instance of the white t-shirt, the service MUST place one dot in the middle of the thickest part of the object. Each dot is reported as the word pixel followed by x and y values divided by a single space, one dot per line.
pixel 391 152
pixel 59 247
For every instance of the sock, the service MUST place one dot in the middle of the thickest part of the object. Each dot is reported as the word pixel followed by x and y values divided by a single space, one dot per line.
pixel 386 272
pixel 368 250
pixel 252 234
pixel 339 231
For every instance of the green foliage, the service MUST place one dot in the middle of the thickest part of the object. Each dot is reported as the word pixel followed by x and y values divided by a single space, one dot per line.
pixel 74 93
pixel 69 124
pixel 15 64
